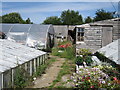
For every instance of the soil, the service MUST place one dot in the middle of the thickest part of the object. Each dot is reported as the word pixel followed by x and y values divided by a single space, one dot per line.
pixel 50 75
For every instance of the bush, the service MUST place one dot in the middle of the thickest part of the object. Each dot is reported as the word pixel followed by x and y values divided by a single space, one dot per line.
pixel 88 60
pixel 84 52
pixel 79 60
pixel 21 78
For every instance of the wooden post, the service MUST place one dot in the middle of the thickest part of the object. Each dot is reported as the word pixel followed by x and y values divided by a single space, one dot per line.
pixel 12 77
pixel 31 68
pixel 35 65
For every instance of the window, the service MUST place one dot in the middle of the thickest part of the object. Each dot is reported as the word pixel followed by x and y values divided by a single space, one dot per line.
pixel 80 29
pixel 80 34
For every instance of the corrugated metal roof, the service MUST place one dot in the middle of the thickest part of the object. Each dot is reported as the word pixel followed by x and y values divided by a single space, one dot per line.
pixel 61 30
pixel 102 22
pixel 112 51
pixel 71 27
pixel 13 54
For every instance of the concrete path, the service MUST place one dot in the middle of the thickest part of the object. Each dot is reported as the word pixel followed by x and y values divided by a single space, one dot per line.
pixel 50 74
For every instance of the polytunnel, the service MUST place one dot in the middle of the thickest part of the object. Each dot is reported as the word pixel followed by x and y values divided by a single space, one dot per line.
pixel 14 55
pixel 32 35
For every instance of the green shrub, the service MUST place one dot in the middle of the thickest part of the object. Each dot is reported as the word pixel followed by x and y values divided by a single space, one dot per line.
pixel 42 68
pixel 88 60
pixel 55 51
pixel 79 60
pixel 21 78
pixel 84 52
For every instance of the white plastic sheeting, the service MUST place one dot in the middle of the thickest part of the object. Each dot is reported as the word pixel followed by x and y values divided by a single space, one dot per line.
pixel 13 54
pixel 111 51
pixel 32 35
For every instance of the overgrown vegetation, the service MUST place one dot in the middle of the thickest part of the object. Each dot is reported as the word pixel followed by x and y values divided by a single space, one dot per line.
pixel 64 50
pixel 41 68
pixel 93 77
pixel 21 78
pixel 68 67
pixel 111 72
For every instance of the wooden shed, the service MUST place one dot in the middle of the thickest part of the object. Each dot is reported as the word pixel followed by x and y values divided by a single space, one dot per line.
pixel 98 34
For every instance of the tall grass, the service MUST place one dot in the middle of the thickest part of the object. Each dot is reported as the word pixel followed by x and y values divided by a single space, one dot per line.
pixel 68 52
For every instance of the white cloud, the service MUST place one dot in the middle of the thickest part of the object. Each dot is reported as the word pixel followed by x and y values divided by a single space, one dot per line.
pixel 60 1
pixel 59 7
pixel 36 12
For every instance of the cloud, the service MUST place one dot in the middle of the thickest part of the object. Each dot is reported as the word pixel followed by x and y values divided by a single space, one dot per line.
pixel 39 11
pixel 58 7
pixel 60 1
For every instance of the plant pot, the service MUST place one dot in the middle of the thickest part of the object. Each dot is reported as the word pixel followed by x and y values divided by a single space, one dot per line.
pixel 79 63
pixel 88 64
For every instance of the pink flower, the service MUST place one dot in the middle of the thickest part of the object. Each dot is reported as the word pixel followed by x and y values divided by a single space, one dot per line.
pixel 92 87
pixel 115 78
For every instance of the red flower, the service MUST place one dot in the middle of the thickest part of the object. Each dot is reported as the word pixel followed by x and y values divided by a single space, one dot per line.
pixel 92 87
pixel 64 46
pixel 82 80
pixel 115 78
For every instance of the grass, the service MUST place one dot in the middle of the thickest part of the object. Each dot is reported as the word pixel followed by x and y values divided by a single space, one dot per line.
pixel 68 53
pixel 66 69
pixel 68 66
pixel 41 68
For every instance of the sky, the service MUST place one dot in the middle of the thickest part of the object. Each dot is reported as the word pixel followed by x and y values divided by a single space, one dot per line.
pixel 39 11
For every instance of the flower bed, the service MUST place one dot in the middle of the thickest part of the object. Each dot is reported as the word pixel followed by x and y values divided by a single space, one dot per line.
pixel 94 78
pixel 101 76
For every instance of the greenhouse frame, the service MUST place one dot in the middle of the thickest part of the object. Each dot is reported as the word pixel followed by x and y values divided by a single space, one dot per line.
pixel 14 55
pixel 33 35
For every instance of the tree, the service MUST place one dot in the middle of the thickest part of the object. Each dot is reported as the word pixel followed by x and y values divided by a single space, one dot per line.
pixel 12 18
pixel 103 15
pixel 71 17
pixel 88 19
pixel 28 21
pixel 0 19
pixel 52 20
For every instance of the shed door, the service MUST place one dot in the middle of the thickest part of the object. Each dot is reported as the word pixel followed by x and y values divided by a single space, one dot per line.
pixel 106 36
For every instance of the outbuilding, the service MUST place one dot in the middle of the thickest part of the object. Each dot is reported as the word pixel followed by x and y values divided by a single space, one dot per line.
pixel 97 34
pixel 14 55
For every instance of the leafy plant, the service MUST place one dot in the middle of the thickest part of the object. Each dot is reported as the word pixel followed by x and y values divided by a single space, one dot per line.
pixel 88 60
pixel 84 52
pixel 21 78
pixel 79 60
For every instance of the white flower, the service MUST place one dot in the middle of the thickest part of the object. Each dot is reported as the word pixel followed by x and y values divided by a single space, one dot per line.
pixel 109 84
pixel 75 80
pixel 103 82
pixel 34 78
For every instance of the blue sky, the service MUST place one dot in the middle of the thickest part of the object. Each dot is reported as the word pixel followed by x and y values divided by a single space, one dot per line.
pixel 38 11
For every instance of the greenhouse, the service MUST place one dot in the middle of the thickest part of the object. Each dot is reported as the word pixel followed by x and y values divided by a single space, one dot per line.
pixel 112 51
pixel 14 55
pixel 32 35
